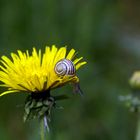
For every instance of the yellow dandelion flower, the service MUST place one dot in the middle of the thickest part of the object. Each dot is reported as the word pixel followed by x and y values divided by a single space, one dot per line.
pixel 35 73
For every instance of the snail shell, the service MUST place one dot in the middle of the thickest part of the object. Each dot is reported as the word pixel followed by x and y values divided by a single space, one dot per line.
pixel 65 67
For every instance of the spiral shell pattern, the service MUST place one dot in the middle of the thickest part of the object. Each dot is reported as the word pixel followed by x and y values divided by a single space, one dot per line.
pixel 65 67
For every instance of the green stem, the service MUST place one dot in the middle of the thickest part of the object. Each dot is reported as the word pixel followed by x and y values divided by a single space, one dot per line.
pixel 138 129
pixel 42 129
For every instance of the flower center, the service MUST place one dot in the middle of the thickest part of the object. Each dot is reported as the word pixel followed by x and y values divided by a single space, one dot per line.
pixel 41 95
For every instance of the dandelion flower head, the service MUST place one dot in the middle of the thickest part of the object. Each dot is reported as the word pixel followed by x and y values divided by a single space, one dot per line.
pixel 35 72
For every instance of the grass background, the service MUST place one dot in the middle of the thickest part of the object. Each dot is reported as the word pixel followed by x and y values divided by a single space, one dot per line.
pixel 106 34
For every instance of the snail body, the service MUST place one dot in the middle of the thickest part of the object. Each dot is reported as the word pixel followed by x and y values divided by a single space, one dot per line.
pixel 65 67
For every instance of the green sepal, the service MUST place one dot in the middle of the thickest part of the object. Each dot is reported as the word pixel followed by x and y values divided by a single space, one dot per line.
pixel 37 107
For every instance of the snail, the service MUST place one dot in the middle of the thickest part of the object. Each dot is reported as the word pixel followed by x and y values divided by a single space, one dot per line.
pixel 65 67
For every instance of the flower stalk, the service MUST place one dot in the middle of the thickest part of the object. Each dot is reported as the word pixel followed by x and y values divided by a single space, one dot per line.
pixel 42 129
pixel 138 129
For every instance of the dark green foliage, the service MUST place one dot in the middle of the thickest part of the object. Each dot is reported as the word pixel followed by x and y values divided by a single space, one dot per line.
pixel 106 34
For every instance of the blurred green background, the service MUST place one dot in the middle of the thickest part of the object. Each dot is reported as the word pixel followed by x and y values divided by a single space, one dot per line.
pixel 106 34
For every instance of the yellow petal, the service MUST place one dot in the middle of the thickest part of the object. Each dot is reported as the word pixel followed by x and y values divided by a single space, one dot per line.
pixel 71 54
pixel 80 64
pixel 77 60
pixel 60 54
pixel 7 92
